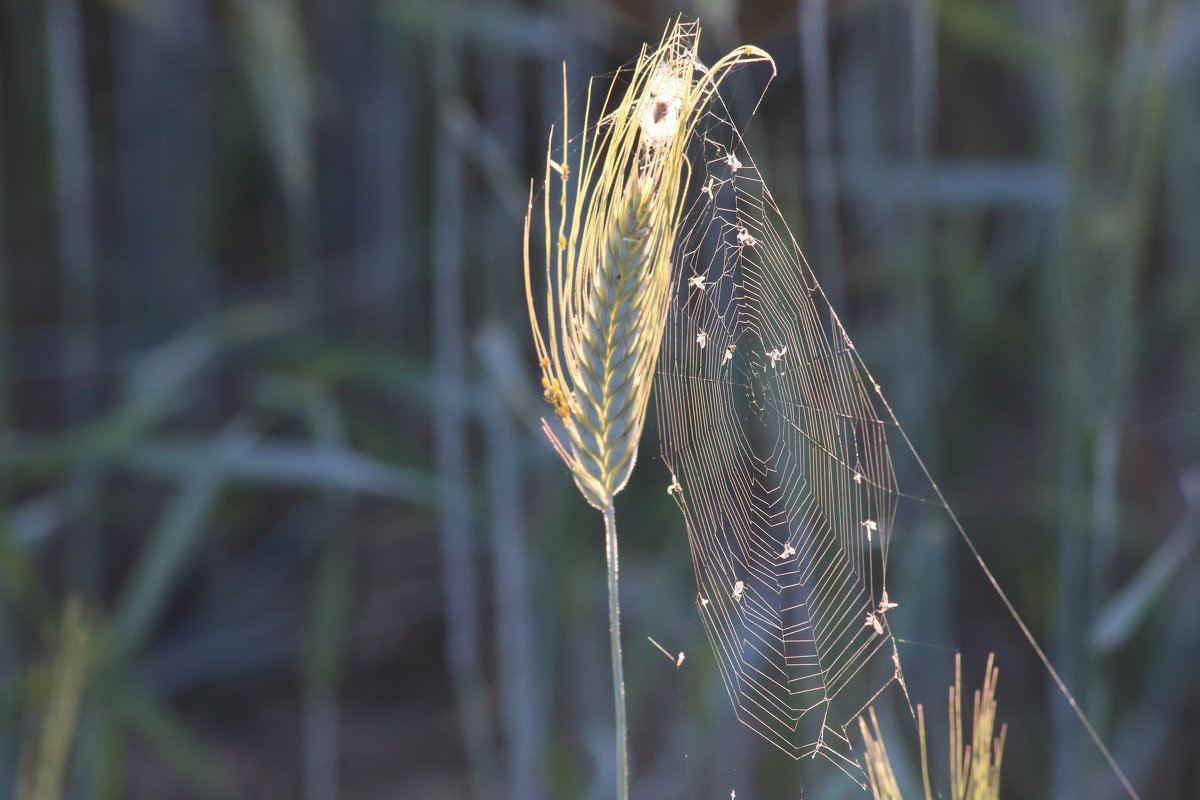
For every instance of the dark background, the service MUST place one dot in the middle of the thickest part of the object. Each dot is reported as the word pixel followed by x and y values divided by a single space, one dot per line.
pixel 276 519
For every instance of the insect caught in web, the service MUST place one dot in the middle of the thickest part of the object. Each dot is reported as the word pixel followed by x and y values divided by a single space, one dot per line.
pixel 744 239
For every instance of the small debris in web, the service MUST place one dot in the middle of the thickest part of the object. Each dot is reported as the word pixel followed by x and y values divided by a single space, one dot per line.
pixel 676 660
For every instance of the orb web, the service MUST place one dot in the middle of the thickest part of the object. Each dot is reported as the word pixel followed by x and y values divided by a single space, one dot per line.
pixel 776 438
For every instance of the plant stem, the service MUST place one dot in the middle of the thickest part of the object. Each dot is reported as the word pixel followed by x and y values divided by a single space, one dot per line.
pixel 614 635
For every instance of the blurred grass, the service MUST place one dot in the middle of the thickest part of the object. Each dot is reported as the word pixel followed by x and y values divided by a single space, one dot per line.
pixel 267 440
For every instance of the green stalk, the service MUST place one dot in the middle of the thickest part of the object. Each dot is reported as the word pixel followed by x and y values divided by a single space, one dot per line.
pixel 614 638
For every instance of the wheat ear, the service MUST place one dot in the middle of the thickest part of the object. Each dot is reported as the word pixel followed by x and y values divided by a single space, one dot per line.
pixel 609 267
pixel 608 276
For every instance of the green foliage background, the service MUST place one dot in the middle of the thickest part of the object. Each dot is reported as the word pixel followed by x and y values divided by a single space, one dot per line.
pixel 275 516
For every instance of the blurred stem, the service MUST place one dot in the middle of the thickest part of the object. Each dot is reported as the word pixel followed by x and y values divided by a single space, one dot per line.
pixel 306 279
pixel 165 557
pixel 107 759
pixel 924 752
pixel 72 175
pixel 274 51
pixel 66 679
pixel 524 684
pixel 1108 126
pixel 75 251
pixel 130 705
pixel 822 177
pixel 320 742
pixel 9 642
pixel 5 367
pixel 327 632
pixel 459 587
pixel 331 606
pixel 614 638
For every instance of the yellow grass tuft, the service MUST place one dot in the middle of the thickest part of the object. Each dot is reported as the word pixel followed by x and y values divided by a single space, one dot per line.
pixel 974 766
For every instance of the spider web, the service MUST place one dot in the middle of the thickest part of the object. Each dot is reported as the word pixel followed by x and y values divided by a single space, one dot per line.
pixel 777 440
pixel 776 437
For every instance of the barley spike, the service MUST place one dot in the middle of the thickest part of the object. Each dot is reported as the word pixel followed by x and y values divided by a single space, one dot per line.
pixel 609 267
